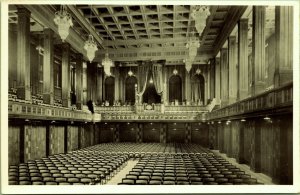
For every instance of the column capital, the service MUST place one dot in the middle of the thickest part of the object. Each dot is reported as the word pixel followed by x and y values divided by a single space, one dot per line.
pixel 23 12
pixel 243 20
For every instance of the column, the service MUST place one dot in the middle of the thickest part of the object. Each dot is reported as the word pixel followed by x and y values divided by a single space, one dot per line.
pixel 91 81
pixel 139 134
pixel 65 71
pixel 48 72
pixel 188 133
pixel 243 79
pixel 212 78
pixel 166 85
pixel 188 87
pixel 224 76
pixel 23 55
pixel 99 84
pixel 258 49
pixel 79 88
pixel 232 69
pixel 117 83
pixel 217 78
pixel 207 85
pixel 284 45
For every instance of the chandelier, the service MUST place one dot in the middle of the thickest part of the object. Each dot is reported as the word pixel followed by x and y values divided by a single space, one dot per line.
pixel 192 46
pixel 175 71
pixel 107 63
pixel 63 20
pixel 188 64
pixel 90 47
pixel 130 73
pixel 199 14
pixel 198 71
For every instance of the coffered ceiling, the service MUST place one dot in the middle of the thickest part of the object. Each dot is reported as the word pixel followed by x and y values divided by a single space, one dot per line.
pixel 149 32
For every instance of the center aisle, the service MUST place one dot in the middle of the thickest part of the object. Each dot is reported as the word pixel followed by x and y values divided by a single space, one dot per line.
pixel 122 174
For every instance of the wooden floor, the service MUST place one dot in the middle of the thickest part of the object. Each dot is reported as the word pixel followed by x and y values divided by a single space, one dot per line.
pixel 122 174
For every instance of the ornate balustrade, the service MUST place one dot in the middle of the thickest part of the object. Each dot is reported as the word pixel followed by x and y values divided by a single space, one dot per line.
pixel 269 101
pixel 185 109
pixel 157 112
pixel 113 109
pixel 152 116
pixel 48 112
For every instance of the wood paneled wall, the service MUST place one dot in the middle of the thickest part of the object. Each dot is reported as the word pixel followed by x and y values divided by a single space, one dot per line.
pixel 57 135
pixel 34 142
pixel 14 145
pixel 30 141
pixel 72 132
pixel 265 145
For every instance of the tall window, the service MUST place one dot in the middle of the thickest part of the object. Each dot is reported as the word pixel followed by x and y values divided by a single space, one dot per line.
pixel 175 89
pixel 110 89
pixel 130 89
pixel 197 90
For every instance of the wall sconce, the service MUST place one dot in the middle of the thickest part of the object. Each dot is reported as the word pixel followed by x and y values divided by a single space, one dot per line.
pixel 243 120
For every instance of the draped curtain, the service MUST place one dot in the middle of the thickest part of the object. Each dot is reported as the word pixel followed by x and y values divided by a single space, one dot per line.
pixel 158 78
pixel 143 74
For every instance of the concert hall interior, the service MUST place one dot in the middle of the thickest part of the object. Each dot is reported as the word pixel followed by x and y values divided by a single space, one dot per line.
pixel 150 94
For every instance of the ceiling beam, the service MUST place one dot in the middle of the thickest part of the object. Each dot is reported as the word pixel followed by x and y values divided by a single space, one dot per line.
pixel 146 41
pixel 208 22
pixel 234 15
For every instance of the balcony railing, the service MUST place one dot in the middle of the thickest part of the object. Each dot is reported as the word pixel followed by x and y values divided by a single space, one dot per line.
pixel 270 100
pixel 48 112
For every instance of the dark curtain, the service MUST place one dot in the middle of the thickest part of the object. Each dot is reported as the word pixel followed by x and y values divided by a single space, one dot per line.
pixel 130 89
pixel 150 95
pixel 110 90
pixel 175 88
pixel 197 86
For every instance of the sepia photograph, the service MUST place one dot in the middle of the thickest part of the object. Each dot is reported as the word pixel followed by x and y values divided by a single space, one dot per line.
pixel 108 97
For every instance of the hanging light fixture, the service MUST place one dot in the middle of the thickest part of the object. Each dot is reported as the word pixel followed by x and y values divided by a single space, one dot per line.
pixel 64 21
pixel 107 63
pixel 200 14
pixel 151 80
pixel 130 73
pixel 175 71
pixel 198 71
pixel 192 46
pixel 188 64
pixel 90 46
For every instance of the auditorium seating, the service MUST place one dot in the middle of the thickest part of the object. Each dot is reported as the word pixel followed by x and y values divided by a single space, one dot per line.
pixel 158 164
pixel 185 169
pixel 75 168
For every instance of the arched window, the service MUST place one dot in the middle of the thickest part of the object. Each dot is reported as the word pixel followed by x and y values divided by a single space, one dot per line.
pixel 197 89
pixel 175 89
pixel 110 89
pixel 130 89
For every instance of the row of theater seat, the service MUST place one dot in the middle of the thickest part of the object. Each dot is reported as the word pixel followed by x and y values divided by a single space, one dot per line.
pixel 144 148
pixel 76 168
pixel 195 169
pixel 97 164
